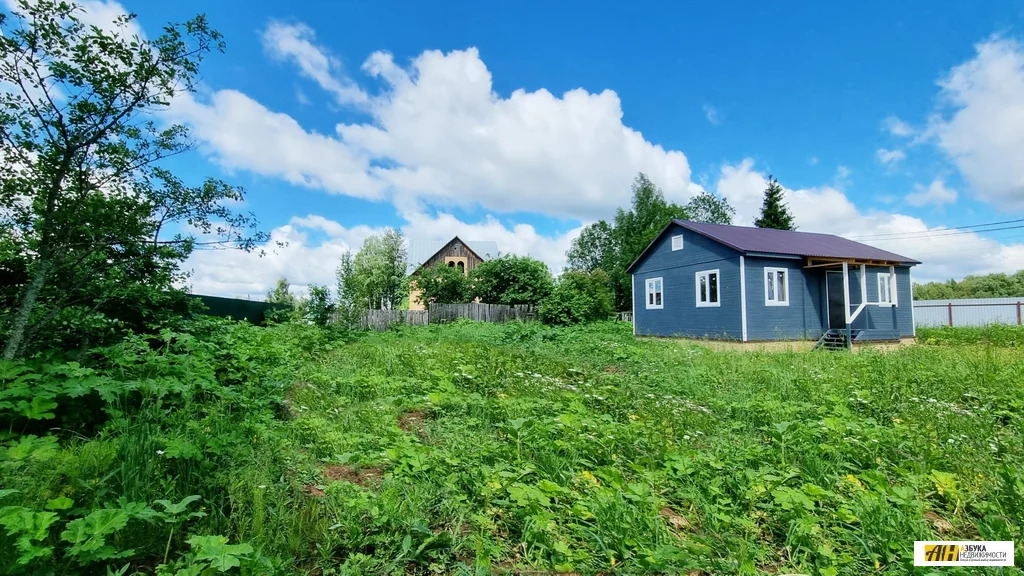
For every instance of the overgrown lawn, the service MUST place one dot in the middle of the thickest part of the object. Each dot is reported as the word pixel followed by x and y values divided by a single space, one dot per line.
pixel 479 448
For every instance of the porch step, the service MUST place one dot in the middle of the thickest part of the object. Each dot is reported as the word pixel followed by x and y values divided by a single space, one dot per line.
pixel 833 340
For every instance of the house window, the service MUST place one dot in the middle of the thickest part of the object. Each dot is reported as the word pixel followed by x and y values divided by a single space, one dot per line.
pixel 461 266
pixel 677 242
pixel 776 287
pixel 708 288
pixel 451 264
pixel 655 294
pixel 885 289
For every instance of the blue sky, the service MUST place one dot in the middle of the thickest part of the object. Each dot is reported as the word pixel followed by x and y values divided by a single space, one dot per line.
pixel 520 122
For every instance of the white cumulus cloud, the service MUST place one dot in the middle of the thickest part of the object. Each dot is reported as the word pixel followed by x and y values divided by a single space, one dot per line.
pixel 313 246
pixel 296 43
pixel 441 136
pixel 890 157
pixel 893 125
pixel 935 194
pixel 983 130
pixel 944 253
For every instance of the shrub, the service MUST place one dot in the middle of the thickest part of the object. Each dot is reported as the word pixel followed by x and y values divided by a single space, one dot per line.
pixel 578 297
pixel 443 284
pixel 511 280
pixel 318 307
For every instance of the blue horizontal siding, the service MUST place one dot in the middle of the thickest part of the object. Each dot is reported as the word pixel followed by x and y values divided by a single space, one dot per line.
pixel 680 315
pixel 893 318
pixel 806 316
pixel 802 319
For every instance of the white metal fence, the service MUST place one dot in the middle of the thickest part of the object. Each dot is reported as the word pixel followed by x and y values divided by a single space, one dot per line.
pixel 968 312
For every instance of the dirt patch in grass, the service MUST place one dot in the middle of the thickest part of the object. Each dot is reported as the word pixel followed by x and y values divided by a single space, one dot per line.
pixel 675 519
pixel 314 491
pixel 413 422
pixel 368 476
pixel 940 523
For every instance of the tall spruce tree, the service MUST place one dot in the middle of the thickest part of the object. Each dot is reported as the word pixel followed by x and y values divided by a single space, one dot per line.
pixel 774 212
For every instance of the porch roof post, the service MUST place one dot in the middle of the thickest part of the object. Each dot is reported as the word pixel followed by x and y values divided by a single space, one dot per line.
pixel 863 284
pixel 846 292
pixel 894 286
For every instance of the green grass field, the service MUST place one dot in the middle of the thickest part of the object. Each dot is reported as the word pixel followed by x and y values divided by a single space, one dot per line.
pixel 474 448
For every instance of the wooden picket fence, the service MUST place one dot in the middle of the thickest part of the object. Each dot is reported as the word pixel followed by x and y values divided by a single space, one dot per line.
pixel 444 313
pixel 381 320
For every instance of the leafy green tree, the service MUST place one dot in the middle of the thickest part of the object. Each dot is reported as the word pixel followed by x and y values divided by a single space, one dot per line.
pixel 281 294
pixel 774 212
pixel 511 280
pixel 318 306
pixel 708 207
pixel 648 215
pixel 85 198
pixel 374 278
pixel 443 285
pixel 635 229
pixel 613 247
pixel 987 286
pixel 594 249
pixel 578 297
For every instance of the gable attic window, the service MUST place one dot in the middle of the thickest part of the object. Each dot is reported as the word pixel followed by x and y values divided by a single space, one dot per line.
pixel 655 294
pixel 776 287
pixel 677 242
pixel 708 289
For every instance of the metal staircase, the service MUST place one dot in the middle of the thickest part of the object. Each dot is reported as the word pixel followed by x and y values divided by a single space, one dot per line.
pixel 834 339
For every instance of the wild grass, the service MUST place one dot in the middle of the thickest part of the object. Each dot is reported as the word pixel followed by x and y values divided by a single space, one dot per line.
pixel 476 449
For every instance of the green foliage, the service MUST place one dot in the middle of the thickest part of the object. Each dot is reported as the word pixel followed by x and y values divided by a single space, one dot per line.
pixel 29 528
pixel 594 249
pixel 281 293
pixel 774 212
pixel 318 306
pixel 637 227
pixel 443 284
pixel 997 335
pixel 511 280
pixel 472 448
pixel 215 552
pixel 169 421
pixel 578 297
pixel 374 278
pixel 613 247
pixel 84 192
pixel 987 286
pixel 87 535
pixel 708 207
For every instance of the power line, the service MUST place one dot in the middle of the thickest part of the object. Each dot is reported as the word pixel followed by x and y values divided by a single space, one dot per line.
pixel 943 231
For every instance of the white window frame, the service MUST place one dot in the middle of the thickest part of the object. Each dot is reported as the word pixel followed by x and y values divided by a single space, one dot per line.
pixel 652 285
pixel 773 273
pixel 885 279
pixel 678 237
pixel 718 288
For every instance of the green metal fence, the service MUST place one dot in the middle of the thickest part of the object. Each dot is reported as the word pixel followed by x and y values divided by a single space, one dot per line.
pixel 236 309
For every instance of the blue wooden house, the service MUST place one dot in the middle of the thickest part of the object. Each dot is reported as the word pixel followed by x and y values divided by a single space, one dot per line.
pixel 699 280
